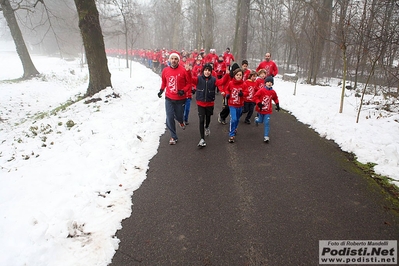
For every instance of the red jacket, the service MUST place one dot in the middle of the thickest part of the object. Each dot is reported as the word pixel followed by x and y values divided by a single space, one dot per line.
pixel 253 87
pixel 265 96
pixel 196 71
pixel 261 82
pixel 175 79
pixel 211 58
pixel 233 89
pixel 269 66
pixel 246 74
pixel 228 58
pixel 220 68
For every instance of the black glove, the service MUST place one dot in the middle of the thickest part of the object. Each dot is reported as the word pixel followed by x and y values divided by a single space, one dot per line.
pixel 260 105
pixel 278 107
pixel 160 93
pixel 193 91
pixel 240 94
pixel 180 92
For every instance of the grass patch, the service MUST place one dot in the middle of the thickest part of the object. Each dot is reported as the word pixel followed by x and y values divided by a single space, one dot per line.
pixel 62 107
pixel 390 189
pixel 58 109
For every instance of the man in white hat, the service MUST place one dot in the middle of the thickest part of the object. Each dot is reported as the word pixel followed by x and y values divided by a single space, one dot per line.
pixel 176 82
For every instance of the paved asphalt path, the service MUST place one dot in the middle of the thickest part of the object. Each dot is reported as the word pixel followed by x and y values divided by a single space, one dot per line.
pixel 250 203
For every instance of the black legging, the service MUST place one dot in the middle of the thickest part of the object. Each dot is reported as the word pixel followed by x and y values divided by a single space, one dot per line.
pixel 225 110
pixel 204 121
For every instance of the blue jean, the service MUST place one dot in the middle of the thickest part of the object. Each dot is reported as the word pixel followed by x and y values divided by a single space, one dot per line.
pixel 235 114
pixel 174 110
pixel 265 119
pixel 187 109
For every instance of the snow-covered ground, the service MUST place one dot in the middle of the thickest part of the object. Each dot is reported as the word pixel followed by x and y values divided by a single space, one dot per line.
pixel 67 176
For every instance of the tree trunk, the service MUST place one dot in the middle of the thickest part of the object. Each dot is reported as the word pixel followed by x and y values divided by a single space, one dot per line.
pixel 244 30
pixel 323 16
pixel 176 25
pixel 341 103
pixel 237 31
pixel 208 25
pixel 198 16
pixel 93 42
pixel 28 66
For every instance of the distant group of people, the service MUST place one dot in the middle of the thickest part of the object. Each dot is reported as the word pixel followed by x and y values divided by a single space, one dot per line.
pixel 204 75
pixel 158 59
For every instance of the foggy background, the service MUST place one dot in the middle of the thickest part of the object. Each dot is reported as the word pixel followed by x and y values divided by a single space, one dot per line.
pixel 312 38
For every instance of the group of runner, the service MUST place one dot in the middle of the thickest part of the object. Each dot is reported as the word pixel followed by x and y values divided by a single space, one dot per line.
pixel 204 75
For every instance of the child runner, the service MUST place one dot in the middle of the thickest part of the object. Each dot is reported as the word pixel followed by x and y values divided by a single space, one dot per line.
pixel 197 67
pixel 187 107
pixel 249 103
pixel 263 99
pixel 235 92
pixel 225 108
pixel 245 69
pixel 205 96
pixel 220 69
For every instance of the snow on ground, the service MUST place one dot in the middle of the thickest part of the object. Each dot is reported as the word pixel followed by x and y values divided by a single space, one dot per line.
pixel 68 174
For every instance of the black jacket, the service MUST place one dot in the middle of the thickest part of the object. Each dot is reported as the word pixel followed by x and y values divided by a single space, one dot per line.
pixel 206 89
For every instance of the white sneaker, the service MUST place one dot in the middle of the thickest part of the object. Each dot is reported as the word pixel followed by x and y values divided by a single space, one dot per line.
pixel 202 143
pixel 207 131
pixel 172 141
pixel 266 139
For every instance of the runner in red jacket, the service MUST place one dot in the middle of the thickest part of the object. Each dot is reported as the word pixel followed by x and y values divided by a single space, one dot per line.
pixel 228 57
pixel 235 92
pixel 268 65
pixel 263 99
pixel 249 102
pixel 176 81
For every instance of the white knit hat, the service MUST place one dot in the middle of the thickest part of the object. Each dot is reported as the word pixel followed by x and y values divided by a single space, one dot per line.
pixel 174 54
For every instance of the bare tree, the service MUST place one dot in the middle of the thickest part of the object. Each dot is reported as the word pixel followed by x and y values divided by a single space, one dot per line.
pixel 243 30
pixel 343 43
pixel 93 42
pixel 177 24
pixel 28 66
pixel 122 17
pixel 208 25
pixel 323 15
pixel 302 35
